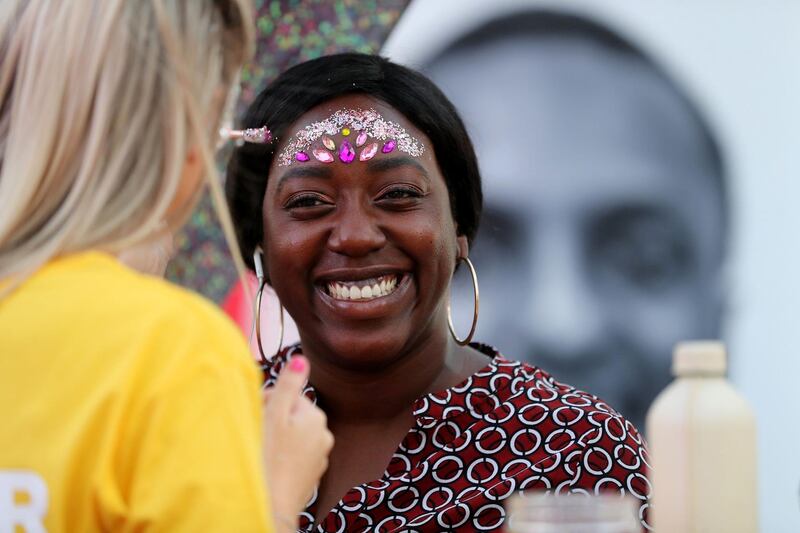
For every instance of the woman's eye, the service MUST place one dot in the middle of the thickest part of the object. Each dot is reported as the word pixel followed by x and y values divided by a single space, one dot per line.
pixel 401 194
pixel 307 200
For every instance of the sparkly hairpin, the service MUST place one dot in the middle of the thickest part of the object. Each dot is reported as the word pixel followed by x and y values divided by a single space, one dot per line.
pixel 251 135
pixel 368 123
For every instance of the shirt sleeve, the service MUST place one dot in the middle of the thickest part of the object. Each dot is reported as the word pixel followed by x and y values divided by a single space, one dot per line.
pixel 197 459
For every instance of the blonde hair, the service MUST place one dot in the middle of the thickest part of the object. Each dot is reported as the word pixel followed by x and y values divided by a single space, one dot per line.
pixel 100 103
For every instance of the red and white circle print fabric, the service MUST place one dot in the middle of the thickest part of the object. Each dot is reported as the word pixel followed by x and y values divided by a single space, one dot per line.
pixel 509 427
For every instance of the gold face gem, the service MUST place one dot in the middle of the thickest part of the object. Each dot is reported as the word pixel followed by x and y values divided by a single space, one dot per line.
pixel 345 131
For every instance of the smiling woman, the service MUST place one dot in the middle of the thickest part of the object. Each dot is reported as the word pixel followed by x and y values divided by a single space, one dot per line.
pixel 364 204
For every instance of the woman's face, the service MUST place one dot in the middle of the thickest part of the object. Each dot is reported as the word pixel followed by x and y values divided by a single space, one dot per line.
pixel 361 254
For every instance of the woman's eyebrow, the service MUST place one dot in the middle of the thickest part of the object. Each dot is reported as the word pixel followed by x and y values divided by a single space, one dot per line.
pixel 383 164
pixel 303 172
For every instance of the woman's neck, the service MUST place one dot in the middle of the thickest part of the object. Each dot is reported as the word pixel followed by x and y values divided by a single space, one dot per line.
pixel 363 396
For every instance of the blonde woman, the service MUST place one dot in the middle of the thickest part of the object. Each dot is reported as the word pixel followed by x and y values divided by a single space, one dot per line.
pixel 127 404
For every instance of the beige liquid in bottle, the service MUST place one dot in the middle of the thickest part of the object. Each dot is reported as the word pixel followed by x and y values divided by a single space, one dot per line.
pixel 702 437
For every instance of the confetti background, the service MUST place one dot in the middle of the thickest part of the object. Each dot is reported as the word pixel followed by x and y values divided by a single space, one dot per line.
pixel 288 32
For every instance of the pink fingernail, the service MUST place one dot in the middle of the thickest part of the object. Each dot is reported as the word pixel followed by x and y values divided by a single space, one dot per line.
pixel 297 364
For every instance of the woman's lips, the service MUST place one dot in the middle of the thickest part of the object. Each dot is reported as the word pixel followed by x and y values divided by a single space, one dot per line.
pixel 362 290
pixel 396 289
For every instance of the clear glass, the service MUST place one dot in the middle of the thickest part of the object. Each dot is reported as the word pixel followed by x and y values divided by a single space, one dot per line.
pixel 574 513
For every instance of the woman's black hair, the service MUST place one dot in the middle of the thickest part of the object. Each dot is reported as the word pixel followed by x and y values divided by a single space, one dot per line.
pixel 314 82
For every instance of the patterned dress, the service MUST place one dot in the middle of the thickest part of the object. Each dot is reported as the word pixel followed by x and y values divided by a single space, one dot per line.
pixel 509 427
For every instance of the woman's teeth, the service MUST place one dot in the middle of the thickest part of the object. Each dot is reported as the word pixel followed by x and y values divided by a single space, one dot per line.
pixel 367 289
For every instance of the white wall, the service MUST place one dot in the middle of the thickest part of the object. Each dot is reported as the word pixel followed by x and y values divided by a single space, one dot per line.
pixel 741 61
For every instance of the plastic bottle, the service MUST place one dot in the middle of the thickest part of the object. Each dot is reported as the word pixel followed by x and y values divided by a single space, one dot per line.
pixel 702 437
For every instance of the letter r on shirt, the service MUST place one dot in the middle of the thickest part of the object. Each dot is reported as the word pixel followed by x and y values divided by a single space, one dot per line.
pixel 23 501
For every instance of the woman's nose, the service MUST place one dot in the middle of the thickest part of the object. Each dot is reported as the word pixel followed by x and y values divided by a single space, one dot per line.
pixel 356 233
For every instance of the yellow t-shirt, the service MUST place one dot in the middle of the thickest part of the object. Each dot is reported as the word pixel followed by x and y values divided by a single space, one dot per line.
pixel 126 404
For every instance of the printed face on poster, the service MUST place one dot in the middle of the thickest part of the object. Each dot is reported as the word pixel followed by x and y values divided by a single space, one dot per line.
pixel 604 226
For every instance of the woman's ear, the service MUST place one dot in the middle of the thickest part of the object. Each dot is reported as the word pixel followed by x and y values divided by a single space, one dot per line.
pixel 463 246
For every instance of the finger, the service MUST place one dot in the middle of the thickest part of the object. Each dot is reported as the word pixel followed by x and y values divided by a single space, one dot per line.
pixel 303 408
pixel 307 414
pixel 289 386
pixel 266 394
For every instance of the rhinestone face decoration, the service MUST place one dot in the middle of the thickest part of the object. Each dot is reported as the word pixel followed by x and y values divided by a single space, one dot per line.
pixel 368 152
pixel 322 155
pixel 388 146
pixel 346 153
pixel 367 122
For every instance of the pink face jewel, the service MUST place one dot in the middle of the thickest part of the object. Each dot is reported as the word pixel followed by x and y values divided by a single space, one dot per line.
pixel 388 146
pixel 322 155
pixel 368 152
pixel 302 157
pixel 346 152
pixel 329 144
pixel 361 139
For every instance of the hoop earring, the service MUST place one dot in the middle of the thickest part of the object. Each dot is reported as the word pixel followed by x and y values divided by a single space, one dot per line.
pixel 466 340
pixel 262 282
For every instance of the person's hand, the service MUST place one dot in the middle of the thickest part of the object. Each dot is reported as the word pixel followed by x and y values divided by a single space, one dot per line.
pixel 296 443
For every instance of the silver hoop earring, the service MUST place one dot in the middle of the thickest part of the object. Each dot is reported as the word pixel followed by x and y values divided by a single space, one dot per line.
pixel 466 340
pixel 262 282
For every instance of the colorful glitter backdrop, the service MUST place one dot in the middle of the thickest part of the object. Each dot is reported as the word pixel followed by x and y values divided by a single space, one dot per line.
pixel 289 32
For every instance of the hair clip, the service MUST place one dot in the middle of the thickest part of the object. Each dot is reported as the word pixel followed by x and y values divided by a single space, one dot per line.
pixel 251 135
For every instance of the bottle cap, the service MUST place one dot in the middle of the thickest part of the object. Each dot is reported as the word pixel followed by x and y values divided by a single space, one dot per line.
pixel 699 358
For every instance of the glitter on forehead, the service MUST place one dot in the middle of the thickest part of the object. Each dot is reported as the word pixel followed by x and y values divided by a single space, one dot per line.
pixel 368 121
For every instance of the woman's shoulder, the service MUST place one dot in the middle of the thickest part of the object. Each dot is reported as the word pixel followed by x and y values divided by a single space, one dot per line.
pixel 102 281
pixel 93 291
pixel 543 386
pixel 591 446
pixel 533 392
